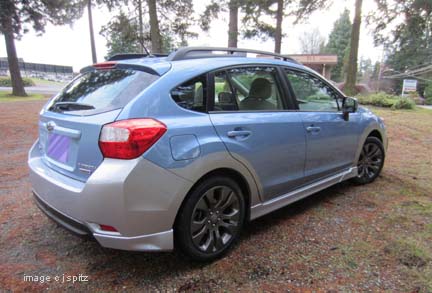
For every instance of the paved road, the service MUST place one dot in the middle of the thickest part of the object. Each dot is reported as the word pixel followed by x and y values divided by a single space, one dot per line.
pixel 426 107
pixel 42 89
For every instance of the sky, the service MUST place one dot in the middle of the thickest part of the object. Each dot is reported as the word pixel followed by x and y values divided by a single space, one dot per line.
pixel 70 45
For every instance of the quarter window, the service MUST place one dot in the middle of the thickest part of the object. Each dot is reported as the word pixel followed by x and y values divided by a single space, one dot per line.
pixel 191 94
pixel 312 93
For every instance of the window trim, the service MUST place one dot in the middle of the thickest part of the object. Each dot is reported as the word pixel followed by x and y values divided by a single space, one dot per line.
pixel 337 91
pixel 289 96
pixel 279 84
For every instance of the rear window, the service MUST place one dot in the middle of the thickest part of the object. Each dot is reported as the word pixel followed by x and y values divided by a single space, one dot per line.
pixel 101 91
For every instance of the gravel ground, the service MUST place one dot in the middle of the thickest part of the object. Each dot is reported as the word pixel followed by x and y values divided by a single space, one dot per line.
pixel 345 238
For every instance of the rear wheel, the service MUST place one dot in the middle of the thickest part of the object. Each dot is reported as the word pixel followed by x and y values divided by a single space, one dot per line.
pixel 370 162
pixel 210 220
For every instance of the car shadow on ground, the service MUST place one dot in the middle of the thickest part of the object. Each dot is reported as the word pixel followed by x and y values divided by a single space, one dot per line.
pixel 150 268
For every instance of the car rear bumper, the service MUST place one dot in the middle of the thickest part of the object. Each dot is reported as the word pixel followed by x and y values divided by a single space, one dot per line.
pixel 136 197
pixel 69 223
pixel 154 242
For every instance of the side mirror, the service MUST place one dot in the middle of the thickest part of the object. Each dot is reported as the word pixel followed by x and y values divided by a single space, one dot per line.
pixel 349 105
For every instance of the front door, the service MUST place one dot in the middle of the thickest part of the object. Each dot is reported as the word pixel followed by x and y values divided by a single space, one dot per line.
pixel 331 141
pixel 250 116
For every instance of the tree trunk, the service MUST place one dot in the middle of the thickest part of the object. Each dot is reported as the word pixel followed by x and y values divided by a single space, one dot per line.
pixel 92 38
pixel 17 82
pixel 351 78
pixel 278 32
pixel 233 24
pixel 141 26
pixel 156 39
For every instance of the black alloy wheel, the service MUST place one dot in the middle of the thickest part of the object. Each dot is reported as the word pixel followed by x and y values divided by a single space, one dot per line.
pixel 215 219
pixel 370 162
pixel 211 219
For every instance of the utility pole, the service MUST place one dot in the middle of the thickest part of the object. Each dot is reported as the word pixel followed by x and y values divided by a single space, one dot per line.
pixel 141 27
pixel 92 39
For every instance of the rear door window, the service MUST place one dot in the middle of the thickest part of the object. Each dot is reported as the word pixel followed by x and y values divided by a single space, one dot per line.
pixel 247 89
pixel 101 91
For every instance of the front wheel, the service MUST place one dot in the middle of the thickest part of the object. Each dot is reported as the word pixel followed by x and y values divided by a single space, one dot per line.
pixel 210 219
pixel 371 161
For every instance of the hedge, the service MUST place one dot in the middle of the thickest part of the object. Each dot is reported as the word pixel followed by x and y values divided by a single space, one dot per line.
pixel 387 101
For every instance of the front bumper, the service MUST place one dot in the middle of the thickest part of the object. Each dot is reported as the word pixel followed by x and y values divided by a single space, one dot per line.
pixel 137 197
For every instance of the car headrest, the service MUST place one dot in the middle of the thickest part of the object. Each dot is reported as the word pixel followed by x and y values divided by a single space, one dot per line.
pixel 260 89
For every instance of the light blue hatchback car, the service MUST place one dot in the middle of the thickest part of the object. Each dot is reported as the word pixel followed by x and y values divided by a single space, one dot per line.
pixel 150 152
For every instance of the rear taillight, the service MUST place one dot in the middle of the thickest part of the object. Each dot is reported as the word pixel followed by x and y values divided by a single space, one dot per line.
pixel 128 139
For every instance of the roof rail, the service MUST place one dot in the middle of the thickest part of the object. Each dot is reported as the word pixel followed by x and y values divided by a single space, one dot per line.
pixel 209 52
pixel 125 56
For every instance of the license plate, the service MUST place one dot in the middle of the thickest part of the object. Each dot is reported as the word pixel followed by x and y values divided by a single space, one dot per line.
pixel 58 147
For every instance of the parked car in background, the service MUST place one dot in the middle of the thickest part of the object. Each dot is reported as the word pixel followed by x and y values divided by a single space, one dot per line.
pixel 149 153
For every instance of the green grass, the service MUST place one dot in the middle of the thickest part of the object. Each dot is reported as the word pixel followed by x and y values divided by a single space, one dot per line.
pixel 409 252
pixel 6 96
pixel 415 257
pixel 413 250
pixel 39 81
pixel 381 111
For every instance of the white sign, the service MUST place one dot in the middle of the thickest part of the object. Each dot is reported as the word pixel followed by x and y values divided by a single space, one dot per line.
pixel 409 85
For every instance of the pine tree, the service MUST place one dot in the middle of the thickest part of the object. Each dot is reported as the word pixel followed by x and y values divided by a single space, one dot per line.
pixel 213 10
pixel 16 18
pixel 123 35
pixel 338 43
pixel 155 35
pixel 351 78
pixel 257 10
pixel 409 44
pixel 161 31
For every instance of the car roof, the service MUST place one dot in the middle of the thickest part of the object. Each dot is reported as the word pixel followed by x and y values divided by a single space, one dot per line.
pixel 162 65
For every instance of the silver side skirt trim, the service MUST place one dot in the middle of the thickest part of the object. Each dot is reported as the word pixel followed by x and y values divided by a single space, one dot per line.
pixel 286 199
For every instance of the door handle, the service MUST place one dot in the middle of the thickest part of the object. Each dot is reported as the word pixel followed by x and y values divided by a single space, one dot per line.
pixel 313 129
pixel 237 133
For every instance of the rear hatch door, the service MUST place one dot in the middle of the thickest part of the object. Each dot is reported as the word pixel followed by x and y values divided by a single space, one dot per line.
pixel 70 124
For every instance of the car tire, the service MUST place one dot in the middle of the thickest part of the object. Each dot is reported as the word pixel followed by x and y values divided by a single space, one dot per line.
pixel 210 219
pixel 370 162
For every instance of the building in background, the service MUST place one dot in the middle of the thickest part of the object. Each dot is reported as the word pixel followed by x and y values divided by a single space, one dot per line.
pixel 321 63
pixel 45 71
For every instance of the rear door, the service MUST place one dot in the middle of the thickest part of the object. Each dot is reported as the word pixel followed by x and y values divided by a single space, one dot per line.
pixel 70 124
pixel 331 141
pixel 251 115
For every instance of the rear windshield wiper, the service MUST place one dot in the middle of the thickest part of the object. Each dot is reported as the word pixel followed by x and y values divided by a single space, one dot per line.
pixel 70 106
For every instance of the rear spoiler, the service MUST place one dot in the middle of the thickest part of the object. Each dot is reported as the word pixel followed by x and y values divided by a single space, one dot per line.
pixel 126 56
pixel 114 65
